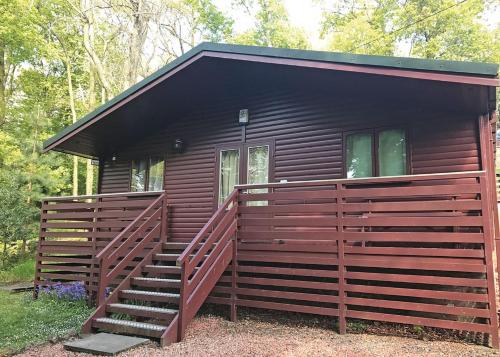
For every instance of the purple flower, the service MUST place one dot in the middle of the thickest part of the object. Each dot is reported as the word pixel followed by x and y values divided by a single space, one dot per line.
pixel 68 291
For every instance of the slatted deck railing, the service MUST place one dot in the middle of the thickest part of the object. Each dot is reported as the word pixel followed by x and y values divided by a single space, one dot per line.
pixel 412 250
pixel 73 230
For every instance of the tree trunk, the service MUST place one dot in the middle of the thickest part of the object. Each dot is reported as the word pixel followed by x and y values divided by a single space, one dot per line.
pixel 3 83
pixel 89 32
pixel 73 116
pixel 137 39
pixel 86 6
pixel 4 251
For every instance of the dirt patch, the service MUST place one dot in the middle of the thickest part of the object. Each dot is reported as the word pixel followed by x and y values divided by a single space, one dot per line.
pixel 215 336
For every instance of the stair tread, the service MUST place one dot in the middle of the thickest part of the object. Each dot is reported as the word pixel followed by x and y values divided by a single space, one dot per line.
pixel 141 325
pixel 158 279
pixel 162 266
pixel 145 308
pixel 166 267
pixel 152 293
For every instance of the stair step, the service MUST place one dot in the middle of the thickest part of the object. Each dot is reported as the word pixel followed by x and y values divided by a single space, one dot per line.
pixel 175 245
pixel 161 269
pixel 156 282
pixel 149 296
pixel 129 327
pixel 178 245
pixel 142 311
pixel 169 257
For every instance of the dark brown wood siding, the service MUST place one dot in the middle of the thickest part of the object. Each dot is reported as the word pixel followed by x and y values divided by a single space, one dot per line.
pixel 307 128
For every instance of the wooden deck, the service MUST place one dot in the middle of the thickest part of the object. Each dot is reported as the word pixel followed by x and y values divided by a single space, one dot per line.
pixel 411 249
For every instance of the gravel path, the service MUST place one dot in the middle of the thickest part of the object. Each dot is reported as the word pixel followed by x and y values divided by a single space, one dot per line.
pixel 215 336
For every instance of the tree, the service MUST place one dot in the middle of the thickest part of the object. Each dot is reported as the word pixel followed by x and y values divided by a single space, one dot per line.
pixel 184 23
pixel 272 28
pixel 17 42
pixel 444 29
pixel 360 26
pixel 16 216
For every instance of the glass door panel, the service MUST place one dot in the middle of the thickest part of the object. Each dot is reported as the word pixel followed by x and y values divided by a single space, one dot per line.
pixel 258 170
pixel 229 172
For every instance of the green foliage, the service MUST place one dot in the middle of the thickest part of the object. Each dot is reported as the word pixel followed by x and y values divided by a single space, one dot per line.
pixel 25 322
pixel 23 271
pixel 16 216
pixel 444 29
pixel 273 29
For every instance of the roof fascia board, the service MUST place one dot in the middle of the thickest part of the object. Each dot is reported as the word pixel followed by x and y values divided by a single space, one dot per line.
pixel 393 72
pixel 409 63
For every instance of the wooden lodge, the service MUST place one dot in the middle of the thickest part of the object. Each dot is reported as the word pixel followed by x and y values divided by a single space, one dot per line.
pixel 351 186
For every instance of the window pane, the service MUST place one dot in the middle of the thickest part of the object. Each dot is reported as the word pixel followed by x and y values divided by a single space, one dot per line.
pixel 155 174
pixel 359 155
pixel 392 152
pixel 138 181
pixel 229 172
pixel 258 170
pixel 258 164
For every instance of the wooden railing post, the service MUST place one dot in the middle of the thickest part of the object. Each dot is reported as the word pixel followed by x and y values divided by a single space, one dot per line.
pixel 41 238
pixel 341 264
pixel 164 219
pixel 92 289
pixel 488 250
pixel 234 267
pixel 181 322
pixel 101 290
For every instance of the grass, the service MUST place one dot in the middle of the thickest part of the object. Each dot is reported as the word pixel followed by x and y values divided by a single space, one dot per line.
pixel 20 272
pixel 25 322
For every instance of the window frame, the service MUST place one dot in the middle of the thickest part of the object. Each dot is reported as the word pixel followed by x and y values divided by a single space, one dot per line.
pixel 374 132
pixel 148 168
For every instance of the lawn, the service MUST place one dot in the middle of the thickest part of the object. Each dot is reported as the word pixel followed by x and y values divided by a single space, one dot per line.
pixel 25 322
pixel 21 272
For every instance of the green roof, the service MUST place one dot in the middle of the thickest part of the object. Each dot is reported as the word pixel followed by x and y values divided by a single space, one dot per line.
pixel 451 67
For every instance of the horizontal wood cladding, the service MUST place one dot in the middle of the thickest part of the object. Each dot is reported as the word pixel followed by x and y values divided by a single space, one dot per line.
pixel 445 147
pixel 307 128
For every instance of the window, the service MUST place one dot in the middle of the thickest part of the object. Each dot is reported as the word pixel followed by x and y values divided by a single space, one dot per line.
pixel 376 153
pixel 147 175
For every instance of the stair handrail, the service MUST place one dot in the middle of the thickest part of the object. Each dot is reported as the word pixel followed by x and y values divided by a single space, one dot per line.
pixel 211 222
pixel 221 229
pixel 110 254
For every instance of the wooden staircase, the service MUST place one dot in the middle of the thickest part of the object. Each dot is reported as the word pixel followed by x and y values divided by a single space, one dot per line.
pixel 159 297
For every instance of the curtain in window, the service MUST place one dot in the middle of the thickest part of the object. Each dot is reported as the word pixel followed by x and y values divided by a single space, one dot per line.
pixel 392 152
pixel 138 179
pixel 229 172
pixel 258 170
pixel 359 155
pixel 155 174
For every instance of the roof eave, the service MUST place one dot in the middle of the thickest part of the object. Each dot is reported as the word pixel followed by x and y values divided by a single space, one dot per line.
pixel 484 74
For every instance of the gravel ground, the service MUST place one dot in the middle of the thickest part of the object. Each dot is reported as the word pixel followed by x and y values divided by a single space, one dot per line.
pixel 215 336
